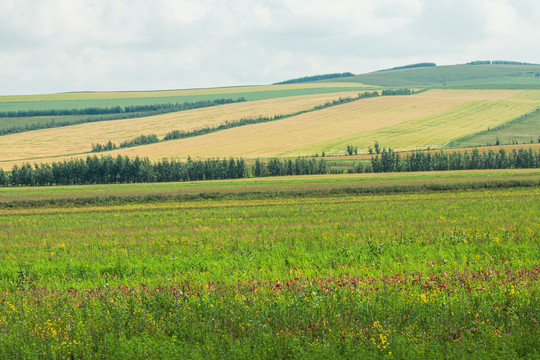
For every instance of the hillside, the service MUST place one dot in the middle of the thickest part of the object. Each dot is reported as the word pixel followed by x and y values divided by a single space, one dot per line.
pixel 428 119
pixel 456 76
pixel 312 117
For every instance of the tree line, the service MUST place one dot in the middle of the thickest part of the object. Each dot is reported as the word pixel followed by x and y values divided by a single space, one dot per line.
pixel 315 78
pixel 411 66
pixel 162 108
pixel 390 161
pixel 123 169
pixel 498 62
pixel 394 92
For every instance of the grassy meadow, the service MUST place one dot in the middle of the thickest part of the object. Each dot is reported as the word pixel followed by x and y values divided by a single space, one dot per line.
pixel 418 274
pixel 458 76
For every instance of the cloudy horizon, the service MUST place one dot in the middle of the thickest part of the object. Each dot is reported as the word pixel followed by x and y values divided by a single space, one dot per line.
pixel 61 46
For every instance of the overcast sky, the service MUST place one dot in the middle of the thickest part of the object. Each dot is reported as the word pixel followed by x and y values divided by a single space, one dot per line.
pixel 76 45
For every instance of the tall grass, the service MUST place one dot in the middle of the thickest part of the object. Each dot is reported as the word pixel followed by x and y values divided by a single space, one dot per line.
pixel 426 275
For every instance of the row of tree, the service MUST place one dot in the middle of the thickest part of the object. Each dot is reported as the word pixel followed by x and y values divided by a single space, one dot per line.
pixel 161 108
pixel 411 66
pixel 390 161
pixel 498 62
pixel 315 78
pixel 122 169
pixel 180 134
pixel 394 92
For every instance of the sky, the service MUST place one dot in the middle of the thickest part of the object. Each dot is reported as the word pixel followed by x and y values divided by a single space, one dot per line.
pixel 49 46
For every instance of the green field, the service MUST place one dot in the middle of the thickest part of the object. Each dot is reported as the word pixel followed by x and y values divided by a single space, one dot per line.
pixel 113 101
pixel 525 129
pixel 466 76
pixel 419 274
pixel 433 131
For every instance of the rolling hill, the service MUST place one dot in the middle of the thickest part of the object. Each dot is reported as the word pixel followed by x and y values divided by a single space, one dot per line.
pixel 455 76
pixel 455 104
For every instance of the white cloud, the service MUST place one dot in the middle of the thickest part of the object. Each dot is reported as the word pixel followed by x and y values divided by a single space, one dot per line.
pixel 61 45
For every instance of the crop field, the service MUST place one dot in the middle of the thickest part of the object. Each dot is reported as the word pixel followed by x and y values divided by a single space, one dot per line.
pixel 431 119
pixel 525 130
pixel 423 274
pixel 428 119
pixel 75 139
pixel 437 130
pixel 430 265
pixel 7 123
pixel 474 76
pixel 111 99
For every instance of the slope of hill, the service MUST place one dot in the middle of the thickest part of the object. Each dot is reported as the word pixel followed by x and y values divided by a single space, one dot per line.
pixel 459 76
pixel 81 100
pixel 442 116
pixel 428 119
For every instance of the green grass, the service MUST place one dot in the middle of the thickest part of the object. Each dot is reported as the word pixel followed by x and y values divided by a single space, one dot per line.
pixel 112 102
pixel 21 122
pixel 418 275
pixel 304 185
pixel 525 129
pixel 467 76
pixel 432 131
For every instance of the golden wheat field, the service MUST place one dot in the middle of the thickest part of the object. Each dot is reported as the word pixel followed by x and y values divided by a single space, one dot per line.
pixel 437 130
pixel 428 119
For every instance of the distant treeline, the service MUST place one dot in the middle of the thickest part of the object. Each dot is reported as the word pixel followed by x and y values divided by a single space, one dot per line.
pixel 55 123
pixel 179 134
pixel 418 65
pixel 390 161
pixel 394 92
pixel 498 62
pixel 122 169
pixel 139 140
pixel 163 108
pixel 315 78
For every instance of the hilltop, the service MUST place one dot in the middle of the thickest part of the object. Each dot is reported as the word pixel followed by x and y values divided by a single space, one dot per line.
pixel 481 76
pixel 473 75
